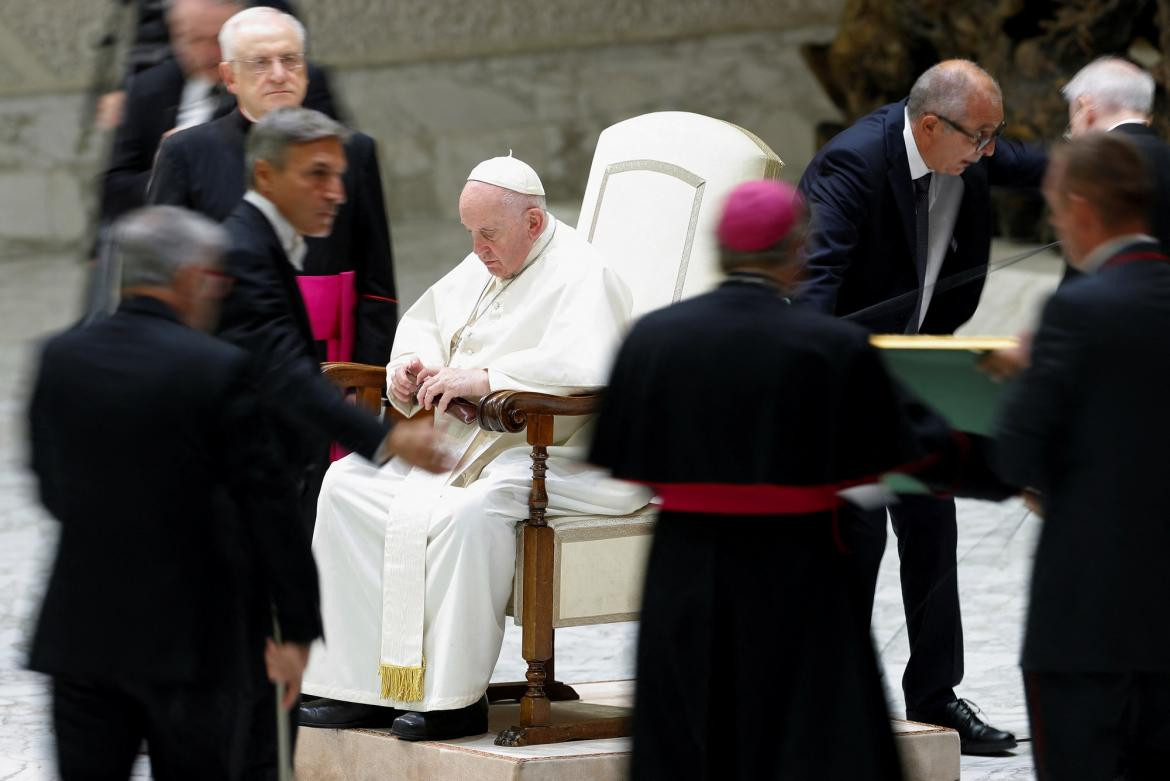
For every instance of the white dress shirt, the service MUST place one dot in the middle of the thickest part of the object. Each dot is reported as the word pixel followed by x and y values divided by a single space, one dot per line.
pixel 291 241
pixel 197 104
pixel 1096 259
pixel 946 193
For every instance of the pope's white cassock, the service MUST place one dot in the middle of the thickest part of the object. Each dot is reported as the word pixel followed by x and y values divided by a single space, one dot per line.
pixel 416 569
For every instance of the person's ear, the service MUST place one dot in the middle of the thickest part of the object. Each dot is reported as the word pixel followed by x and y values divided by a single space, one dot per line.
pixel 262 175
pixel 1080 210
pixel 535 221
pixel 928 124
pixel 228 76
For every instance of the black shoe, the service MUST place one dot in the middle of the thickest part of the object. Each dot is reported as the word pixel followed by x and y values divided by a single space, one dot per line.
pixel 443 724
pixel 338 714
pixel 975 735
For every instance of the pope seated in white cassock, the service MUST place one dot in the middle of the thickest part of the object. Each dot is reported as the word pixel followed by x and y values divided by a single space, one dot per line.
pixel 416 568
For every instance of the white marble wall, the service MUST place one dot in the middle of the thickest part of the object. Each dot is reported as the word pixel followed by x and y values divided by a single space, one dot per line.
pixel 440 85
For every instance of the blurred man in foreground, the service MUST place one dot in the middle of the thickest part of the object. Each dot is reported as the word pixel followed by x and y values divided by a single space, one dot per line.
pixel 1085 429
pixel 295 167
pixel 179 525
pixel 748 572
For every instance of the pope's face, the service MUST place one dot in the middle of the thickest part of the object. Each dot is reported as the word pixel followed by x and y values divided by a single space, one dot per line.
pixel 501 234
pixel 307 189
pixel 269 70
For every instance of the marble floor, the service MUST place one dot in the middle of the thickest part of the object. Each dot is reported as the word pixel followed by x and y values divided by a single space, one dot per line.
pixel 38 294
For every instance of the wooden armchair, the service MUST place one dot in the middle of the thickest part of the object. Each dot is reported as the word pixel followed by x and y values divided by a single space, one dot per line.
pixel 672 170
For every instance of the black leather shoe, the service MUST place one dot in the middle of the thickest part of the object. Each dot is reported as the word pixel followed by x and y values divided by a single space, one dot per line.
pixel 443 724
pixel 975 735
pixel 338 714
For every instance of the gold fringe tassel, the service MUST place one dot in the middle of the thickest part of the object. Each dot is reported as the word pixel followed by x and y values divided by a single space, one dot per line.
pixel 404 684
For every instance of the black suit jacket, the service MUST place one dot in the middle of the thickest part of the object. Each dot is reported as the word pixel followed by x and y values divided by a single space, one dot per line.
pixel 860 249
pixel 152 107
pixel 203 169
pixel 179 523
pixel 265 315
pixel 1087 426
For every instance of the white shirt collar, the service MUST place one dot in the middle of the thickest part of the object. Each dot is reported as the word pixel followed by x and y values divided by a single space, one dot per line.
pixel 918 167
pixel 1129 121
pixel 1096 259
pixel 291 242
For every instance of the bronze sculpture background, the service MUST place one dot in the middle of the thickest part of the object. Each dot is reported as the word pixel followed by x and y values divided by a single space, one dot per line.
pixel 1033 47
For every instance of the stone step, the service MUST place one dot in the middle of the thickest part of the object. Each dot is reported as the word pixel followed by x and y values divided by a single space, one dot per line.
pixel 928 753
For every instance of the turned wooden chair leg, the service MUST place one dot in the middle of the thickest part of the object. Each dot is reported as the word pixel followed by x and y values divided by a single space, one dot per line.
pixel 537 642
pixel 513 691
pixel 537 619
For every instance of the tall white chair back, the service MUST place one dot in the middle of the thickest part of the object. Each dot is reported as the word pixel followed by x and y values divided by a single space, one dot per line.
pixel 656 189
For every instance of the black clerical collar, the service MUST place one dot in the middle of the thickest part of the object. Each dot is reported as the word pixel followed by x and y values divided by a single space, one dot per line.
pixel 755 278
pixel 241 121
pixel 149 305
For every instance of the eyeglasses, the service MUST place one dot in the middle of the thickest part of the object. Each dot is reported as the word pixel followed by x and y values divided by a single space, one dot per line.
pixel 262 65
pixel 980 140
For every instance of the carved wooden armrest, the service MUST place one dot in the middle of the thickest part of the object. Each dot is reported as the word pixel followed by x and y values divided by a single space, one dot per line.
pixel 354 375
pixel 367 381
pixel 508 410
pixel 370 384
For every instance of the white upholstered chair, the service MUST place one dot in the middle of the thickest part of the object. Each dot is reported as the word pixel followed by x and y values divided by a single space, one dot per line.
pixel 655 190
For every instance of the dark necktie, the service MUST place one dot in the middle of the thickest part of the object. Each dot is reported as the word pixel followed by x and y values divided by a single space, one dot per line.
pixel 921 242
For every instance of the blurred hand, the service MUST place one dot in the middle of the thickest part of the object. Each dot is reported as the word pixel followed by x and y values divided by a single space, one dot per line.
pixel 404 380
pixel 1034 502
pixel 414 441
pixel 286 664
pixel 108 114
pixel 1002 365
pixel 450 384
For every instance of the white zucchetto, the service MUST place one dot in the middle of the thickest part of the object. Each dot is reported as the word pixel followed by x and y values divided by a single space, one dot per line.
pixel 509 173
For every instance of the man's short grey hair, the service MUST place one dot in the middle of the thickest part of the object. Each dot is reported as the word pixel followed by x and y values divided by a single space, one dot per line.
pixel 947 88
pixel 271 137
pixel 153 243
pixel 1113 84
pixel 258 15
pixel 522 202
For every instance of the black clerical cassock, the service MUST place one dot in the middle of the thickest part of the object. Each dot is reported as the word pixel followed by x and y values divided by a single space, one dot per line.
pixel 747 416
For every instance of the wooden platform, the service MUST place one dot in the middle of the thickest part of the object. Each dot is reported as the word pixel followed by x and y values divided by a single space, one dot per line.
pixel 928 753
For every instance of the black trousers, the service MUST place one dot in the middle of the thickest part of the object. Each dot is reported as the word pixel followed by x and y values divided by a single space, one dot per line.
pixel 927 538
pixel 191 733
pixel 309 489
pixel 260 758
pixel 1099 726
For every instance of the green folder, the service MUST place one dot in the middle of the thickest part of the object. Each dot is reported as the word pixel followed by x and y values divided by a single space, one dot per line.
pixel 942 371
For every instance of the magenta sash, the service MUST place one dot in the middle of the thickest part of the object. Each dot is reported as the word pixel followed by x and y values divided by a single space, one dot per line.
pixel 330 302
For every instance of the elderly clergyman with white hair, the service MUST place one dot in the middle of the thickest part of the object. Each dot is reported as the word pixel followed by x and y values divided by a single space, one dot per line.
pixel 1115 96
pixel 417 568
